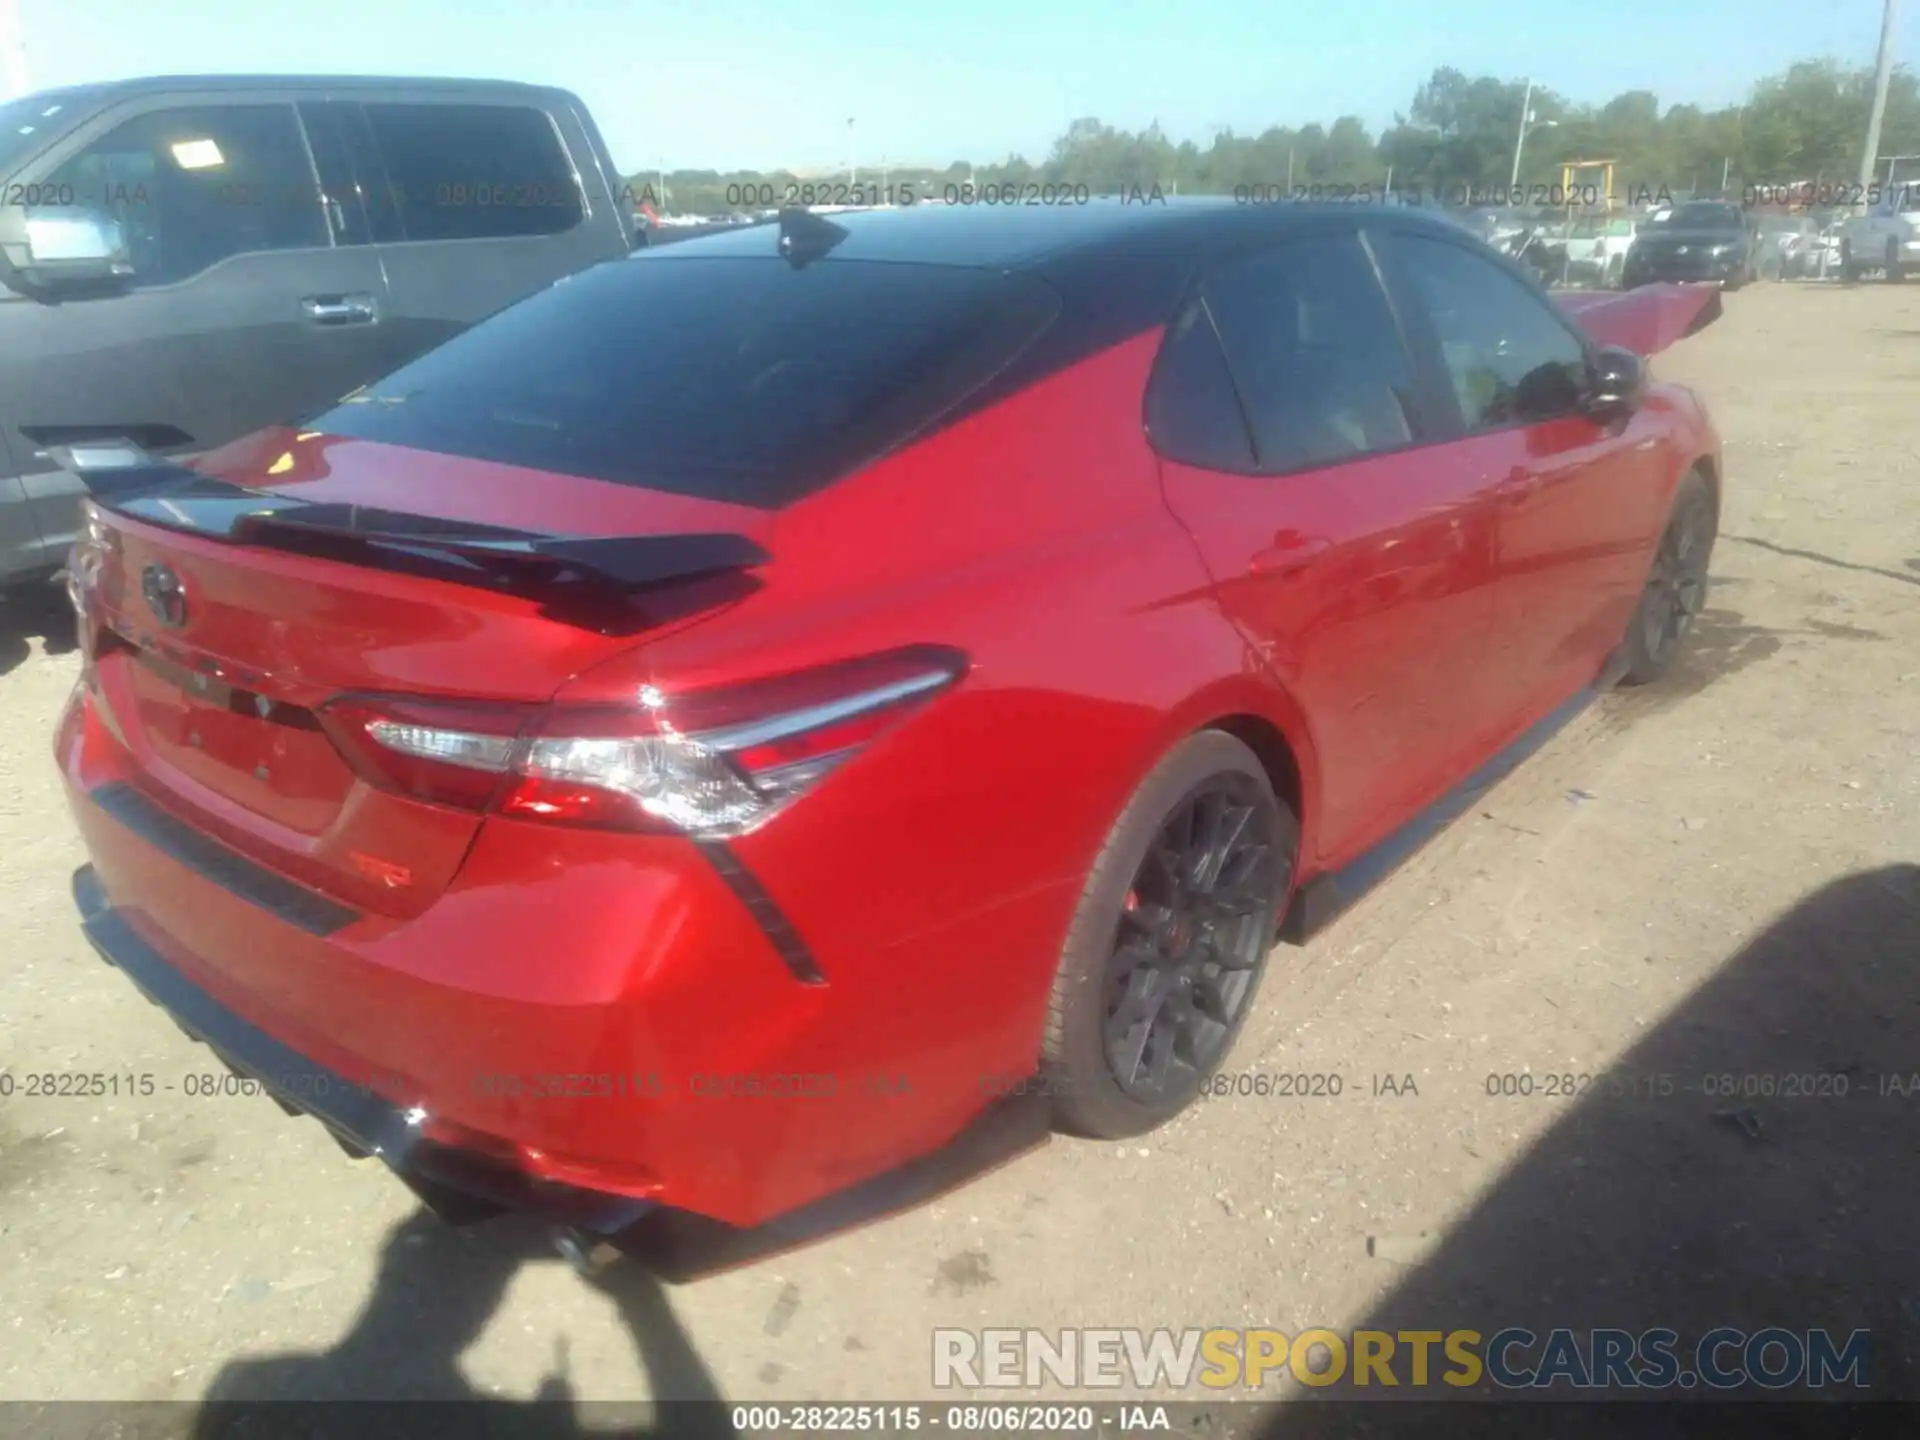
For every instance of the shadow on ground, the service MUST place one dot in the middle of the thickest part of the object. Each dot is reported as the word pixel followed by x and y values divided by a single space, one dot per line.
pixel 1662 1201
pixel 35 612
pixel 398 1368
pixel 436 1290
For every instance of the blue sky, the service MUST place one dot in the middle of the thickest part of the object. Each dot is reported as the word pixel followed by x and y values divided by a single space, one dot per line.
pixel 726 83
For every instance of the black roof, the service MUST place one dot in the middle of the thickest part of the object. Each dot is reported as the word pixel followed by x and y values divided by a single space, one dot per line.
pixel 1043 238
pixel 1118 268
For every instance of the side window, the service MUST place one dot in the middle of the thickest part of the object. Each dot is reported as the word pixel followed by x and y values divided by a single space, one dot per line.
pixel 1316 352
pixel 1510 358
pixel 470 172
pixel 1193 412
pixel 194 185
pixel 345 195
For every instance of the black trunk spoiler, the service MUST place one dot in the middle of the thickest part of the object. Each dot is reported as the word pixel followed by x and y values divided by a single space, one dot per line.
pixel 1645 320
pixel 121 479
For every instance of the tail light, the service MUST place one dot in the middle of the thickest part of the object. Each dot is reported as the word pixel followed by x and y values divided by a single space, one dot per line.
pixel 711 763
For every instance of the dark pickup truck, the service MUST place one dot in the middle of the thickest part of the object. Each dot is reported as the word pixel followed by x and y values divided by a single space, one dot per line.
pixel 186 259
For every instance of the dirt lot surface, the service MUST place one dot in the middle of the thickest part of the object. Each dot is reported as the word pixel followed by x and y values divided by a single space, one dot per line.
pixel 1712 879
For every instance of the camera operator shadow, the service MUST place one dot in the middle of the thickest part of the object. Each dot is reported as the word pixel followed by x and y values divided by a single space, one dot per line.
pixel 436 1289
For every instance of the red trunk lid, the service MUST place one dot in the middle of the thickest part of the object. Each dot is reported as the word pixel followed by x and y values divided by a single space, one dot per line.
pixel 219 710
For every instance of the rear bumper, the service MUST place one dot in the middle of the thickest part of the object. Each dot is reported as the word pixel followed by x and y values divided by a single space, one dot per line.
pixel 458 1185
pixel 582 1026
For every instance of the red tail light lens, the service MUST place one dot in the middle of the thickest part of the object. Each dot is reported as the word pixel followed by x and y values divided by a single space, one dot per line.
pixel 452 753
pixel 711 764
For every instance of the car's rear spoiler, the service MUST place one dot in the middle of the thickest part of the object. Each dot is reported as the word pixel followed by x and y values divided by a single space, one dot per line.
pixel 1645 320
pixel 122 479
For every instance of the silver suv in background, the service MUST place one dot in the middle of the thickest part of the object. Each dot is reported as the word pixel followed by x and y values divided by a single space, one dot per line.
pixel 1886 235
pixel 184 260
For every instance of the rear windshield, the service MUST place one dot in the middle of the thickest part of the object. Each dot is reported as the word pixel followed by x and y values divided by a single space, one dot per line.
pixel 744 380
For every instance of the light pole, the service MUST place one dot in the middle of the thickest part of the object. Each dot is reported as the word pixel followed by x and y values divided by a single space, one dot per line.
pixel 853 169
pixel 1740 144
pixel 1527 125
pixel 1882 73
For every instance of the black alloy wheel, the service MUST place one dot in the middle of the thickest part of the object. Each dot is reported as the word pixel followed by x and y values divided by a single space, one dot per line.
pixel 1194 927
pixel 1676 590
pixel 1168 943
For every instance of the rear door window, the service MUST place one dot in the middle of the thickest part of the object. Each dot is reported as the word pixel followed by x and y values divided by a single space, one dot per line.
pixel 1511 358
pixel 353 182
pixel 474 172
pixel 745 380
pixel 1321 369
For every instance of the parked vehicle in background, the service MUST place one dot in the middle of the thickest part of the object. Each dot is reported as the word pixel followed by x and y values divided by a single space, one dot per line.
pixel 1542 248
pixel 1821 255
pixel 1530 236
pixel 1786 246
pixel 859 669
pixel 1597 244
pixel 1706 240
pixel 1886 237
pixel 1499 225
pixel 184 260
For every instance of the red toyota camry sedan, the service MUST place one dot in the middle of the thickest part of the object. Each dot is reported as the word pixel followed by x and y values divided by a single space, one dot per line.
pixel 702 737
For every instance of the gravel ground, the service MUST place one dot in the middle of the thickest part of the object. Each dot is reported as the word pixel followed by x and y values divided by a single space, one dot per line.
pixel 1714 878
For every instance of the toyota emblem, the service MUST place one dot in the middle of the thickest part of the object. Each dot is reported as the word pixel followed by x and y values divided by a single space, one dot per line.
pixel 165 594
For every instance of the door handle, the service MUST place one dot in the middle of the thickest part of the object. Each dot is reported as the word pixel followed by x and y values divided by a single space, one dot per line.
pixel 1517 487
pixel 339 309
pixel 1283 559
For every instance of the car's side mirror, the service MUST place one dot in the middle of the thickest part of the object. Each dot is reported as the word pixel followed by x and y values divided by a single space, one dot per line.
pixel 74 248
pixel 1617 383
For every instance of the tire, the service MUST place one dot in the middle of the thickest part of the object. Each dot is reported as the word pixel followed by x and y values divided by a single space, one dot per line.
pixel 1145 942
pixel 1676 589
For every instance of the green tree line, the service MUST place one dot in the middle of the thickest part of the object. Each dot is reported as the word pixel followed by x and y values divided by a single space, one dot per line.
pixel 1805 125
